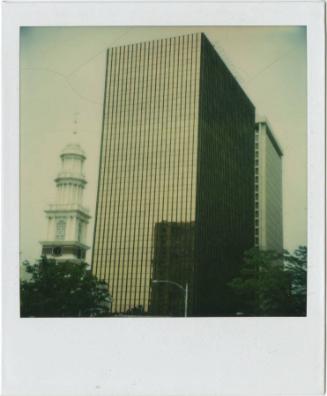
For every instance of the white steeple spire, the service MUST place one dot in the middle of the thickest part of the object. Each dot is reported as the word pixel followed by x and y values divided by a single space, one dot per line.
pixel 71 180
pixel 67 218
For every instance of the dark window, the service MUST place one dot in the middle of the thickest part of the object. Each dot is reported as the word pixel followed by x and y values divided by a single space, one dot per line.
pixel 57 251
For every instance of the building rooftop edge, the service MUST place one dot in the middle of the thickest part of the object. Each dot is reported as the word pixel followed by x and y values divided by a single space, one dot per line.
pixel 274 141
pixel 203 36
pixel 156 40
pixel 229 68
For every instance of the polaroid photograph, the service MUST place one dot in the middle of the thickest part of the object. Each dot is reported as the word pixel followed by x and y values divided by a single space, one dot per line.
pixel 165 208
pixel 185 215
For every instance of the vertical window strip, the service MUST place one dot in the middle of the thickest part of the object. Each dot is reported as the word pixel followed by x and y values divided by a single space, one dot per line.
pixel 130 195
pixel 138 215
pixel 113 219
pixel 144 186
pixel 123 195
pixel 165 123
pixel 134 262
pixel 150 180
pixel 102 195
pixel 120 181
pixel 185 170
pixel 111 165
pixel 135 184
pixel 177 131
pixel 109 177
pixel 155 156
pixel 162 103
pixel 95 252
pixel 196 111
pixel 169 187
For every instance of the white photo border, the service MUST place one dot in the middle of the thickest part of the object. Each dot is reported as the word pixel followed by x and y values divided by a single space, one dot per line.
pixel 144 356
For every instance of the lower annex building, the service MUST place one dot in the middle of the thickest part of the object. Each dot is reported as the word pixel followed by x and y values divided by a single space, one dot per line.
pixel 268 189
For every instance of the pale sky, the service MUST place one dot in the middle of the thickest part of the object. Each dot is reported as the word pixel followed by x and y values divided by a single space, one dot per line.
pixel 63 71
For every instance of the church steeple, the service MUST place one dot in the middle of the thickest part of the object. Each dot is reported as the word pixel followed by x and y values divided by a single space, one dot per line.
pixel 67 218
pixel 71 180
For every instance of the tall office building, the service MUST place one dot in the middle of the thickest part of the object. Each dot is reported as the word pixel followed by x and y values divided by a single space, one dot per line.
pixel 177 147
pixel 268 189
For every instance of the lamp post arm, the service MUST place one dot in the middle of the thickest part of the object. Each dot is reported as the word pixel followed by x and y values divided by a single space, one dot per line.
pixel 171 282
pixel 185 290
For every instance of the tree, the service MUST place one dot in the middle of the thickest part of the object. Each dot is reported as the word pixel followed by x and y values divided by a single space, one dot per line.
pixel 271 284
pixel 63 289
pixel 296 266
pixel 136 311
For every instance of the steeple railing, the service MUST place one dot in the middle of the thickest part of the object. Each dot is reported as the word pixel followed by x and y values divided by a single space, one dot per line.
pixel 67 207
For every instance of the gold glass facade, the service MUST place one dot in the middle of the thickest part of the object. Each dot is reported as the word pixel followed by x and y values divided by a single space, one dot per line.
pixel 148 159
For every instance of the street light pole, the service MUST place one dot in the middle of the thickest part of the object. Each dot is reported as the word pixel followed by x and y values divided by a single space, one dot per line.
pixel 185 290
pixel 186 299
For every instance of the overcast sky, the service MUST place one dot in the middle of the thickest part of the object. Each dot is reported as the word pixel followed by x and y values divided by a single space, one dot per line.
pixel 62 72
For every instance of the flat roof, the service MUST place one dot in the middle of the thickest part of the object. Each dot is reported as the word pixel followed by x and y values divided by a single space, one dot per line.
pixel 271 136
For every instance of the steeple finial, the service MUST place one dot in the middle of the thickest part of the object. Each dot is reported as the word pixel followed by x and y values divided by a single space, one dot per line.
pixel 76 114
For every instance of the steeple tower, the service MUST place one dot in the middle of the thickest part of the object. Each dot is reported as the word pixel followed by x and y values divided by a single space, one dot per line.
pixel 67 218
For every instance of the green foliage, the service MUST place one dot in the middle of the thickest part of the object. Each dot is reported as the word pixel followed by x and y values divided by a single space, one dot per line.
pixel 62 289
pixel 136 311
pixel 296 266
pixel 271 284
